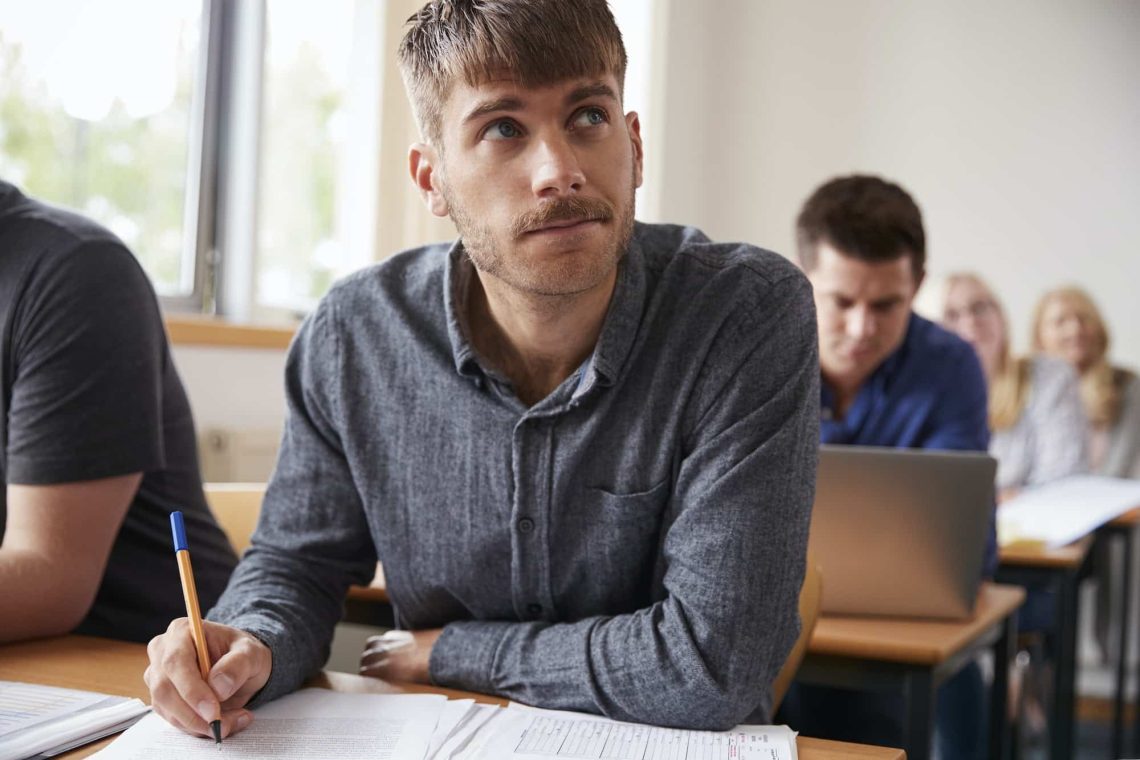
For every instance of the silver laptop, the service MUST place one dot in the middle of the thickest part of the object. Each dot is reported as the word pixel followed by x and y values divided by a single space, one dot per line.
pixel 901 532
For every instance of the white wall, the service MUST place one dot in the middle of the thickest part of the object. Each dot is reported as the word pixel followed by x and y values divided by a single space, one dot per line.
pixel 1016 125
pixel 233 388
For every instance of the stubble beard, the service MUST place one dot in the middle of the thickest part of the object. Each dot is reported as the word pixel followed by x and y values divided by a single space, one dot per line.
pixel 569 275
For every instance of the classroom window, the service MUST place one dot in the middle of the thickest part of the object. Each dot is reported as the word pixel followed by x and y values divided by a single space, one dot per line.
pixel 83 124
pixel 236 146
pixel 318 122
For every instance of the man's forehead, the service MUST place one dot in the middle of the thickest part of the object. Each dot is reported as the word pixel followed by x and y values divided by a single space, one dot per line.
pixel 463 96
pixel 836 272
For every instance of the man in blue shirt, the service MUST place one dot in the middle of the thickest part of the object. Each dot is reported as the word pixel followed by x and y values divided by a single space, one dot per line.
pixel 889 378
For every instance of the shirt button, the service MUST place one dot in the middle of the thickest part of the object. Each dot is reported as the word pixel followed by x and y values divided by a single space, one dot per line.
pixel 526 525
pixel 534 609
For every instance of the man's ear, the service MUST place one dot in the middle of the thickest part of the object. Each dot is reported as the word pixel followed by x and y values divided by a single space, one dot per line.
pixel 423 162
pixel 633 126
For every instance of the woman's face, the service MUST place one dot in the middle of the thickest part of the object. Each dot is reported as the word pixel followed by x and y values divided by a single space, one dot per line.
pixel 1069 331
pixel 971 312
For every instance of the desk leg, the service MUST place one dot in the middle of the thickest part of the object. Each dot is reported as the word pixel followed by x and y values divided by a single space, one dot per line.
pixel 1061 725
pixel 1005 649
pixel 1122 649
pixel 918 689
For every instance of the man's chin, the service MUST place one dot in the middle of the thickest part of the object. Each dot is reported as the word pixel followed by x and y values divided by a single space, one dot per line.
pixel 850 369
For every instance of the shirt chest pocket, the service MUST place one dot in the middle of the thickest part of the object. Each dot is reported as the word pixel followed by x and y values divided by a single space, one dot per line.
pixel 608 544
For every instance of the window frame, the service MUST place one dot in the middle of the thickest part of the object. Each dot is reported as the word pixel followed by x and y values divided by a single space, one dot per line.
pixel 221 191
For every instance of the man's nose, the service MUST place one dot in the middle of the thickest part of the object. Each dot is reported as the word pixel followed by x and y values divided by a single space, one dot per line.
pixel 557 170
pixel 861 323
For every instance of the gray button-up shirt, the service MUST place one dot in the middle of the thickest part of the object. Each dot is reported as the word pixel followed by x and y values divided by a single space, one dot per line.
pixel 631 545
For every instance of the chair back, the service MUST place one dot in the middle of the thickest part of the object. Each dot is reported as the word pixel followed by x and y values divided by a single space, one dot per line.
pixel 811 595
pixel 236 507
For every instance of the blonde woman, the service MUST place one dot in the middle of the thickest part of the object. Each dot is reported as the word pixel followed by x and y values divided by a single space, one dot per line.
pixel 1067 325
pixel 1038 428
pixel 1034 403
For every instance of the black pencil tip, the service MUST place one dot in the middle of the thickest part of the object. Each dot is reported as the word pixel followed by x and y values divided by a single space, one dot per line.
pixel 216 729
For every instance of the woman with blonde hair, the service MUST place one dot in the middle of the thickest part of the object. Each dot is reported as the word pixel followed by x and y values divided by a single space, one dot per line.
pixel 1038 426
pixel 1067 325
pixel 1038 429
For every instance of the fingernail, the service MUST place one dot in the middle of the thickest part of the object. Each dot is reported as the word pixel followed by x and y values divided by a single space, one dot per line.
pixel 208 710
pixel 223 686
pixel 243 720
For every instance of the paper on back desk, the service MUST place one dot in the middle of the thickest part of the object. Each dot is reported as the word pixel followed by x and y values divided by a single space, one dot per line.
pixel 312 724
pixel 528 733
pixel 1060 512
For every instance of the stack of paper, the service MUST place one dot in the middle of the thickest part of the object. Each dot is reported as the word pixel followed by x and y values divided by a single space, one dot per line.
pixel 527 733
pixel 1064 510
pixel 38 720
pixel 316 724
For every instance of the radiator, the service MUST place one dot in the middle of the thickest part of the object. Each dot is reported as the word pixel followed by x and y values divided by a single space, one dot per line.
pixel 233 456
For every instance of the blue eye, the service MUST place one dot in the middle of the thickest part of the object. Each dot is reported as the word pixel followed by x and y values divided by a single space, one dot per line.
pixel 590 117
pixel 502 130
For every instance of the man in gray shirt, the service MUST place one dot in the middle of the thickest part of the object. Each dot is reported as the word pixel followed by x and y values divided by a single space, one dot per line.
pixel 583 448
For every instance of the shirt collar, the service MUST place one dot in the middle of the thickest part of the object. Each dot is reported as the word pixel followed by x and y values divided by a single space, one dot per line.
pixel 890 366
pixel 457 279
pixel 623 318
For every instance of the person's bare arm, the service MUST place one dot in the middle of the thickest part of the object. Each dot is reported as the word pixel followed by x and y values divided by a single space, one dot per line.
pixel 55 549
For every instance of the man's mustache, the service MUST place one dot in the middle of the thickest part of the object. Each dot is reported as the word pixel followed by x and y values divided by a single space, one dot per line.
pixel 562 210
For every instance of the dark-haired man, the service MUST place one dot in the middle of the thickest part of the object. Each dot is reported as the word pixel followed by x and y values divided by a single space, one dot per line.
pixel 98 439
pixel 583 448
pixel 888 378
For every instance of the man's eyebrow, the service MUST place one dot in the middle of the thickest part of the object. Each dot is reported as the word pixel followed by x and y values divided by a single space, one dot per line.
pixel 599 90
pixel 890 300
pixel 492 106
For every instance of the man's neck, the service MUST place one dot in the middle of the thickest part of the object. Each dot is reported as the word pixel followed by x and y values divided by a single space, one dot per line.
pixel 536 341
pixel 843 392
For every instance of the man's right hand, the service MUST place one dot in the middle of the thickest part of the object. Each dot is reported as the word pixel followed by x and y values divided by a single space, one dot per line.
pixel 242 665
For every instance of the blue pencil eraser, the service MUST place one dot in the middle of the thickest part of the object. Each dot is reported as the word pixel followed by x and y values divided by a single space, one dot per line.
pixel 179 531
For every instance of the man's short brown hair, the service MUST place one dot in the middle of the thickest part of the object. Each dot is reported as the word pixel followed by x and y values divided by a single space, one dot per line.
pixel 536 42
pixel 864 217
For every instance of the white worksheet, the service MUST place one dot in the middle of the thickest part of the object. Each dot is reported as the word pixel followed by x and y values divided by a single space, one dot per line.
pixel 1064 510
pixel 475 724
pixel 43 719
pixel 451 717
pixel 312 724
pixel 24 704
pixel 522 733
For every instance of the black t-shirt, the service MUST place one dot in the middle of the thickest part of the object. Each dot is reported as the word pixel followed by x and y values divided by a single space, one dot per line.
pixel 90 391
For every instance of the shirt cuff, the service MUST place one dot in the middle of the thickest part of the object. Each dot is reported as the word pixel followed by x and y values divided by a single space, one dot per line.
pixel 464 655
pixel 283 679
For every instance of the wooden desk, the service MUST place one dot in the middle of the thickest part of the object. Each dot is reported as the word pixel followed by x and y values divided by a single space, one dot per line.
pixel 1123 528
pixel 915 656
pixel 1028 565
pixel 116 667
